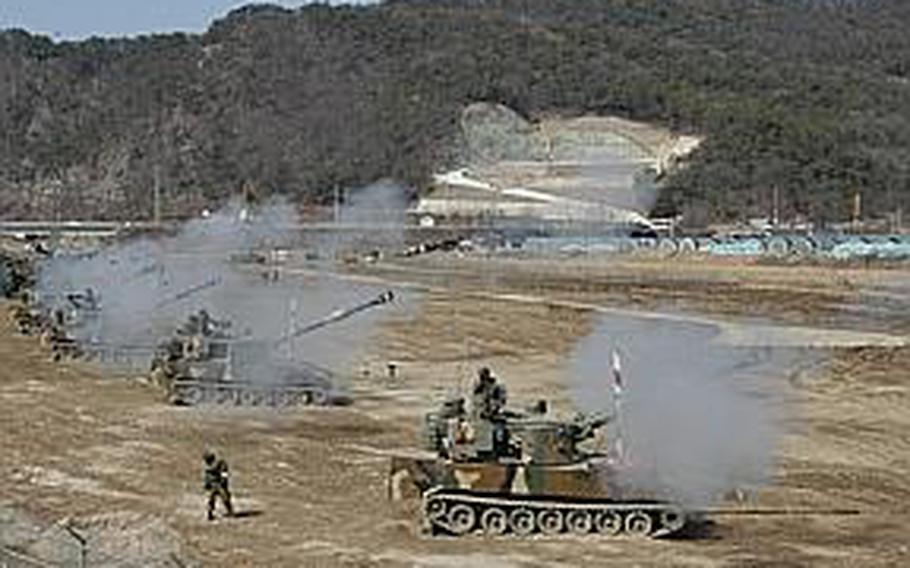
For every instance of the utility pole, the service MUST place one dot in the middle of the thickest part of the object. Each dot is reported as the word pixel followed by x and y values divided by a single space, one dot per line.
pixel 12 97
pixel 292 322
pixel 336 210
pixel 156 213
pixel 775 212
pixel 857 209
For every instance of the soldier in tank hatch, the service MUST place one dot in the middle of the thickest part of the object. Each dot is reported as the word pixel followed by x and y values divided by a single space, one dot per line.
pixel 489 397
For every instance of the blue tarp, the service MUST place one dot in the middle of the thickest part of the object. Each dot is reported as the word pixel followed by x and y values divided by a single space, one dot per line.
pixel 839 247
pixel 733 247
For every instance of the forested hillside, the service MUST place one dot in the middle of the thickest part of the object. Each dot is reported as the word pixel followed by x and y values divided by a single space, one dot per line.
pixel 809 96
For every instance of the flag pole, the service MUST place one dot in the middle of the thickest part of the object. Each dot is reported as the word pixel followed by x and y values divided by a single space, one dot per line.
pixel 618 450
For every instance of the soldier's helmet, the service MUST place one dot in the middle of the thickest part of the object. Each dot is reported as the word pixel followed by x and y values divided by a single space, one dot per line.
pixel 485 375
pixel 208 456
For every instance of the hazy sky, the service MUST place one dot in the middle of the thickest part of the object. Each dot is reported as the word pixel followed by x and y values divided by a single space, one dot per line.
pixel 77 19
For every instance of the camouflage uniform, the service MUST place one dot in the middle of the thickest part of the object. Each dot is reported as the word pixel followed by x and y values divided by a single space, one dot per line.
pixel 165 364
pixel 205 323
pixel 216 484
pixel 487 405
pixel 489 396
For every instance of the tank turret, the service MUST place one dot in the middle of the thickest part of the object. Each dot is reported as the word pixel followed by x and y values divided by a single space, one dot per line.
pixel 488 431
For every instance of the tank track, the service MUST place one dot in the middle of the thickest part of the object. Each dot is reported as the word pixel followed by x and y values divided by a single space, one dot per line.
pixel 461 512
pixel 195 393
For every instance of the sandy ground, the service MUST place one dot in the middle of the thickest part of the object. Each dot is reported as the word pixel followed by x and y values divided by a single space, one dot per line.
pixel 112 457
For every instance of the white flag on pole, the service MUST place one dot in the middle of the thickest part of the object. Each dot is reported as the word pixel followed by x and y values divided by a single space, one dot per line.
pixel 616 368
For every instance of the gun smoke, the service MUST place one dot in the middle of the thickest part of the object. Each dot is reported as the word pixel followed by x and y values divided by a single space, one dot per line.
pixel 225 263
pixel 698 419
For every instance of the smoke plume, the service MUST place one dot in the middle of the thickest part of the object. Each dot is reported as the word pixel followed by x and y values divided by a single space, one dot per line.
pixel 698 419
pixel 226 264
pixel 372 219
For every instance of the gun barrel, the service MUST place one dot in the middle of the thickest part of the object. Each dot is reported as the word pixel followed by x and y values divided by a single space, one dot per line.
pixel 587 426
pixel 183 294
pixel 777 512
pixel 338 315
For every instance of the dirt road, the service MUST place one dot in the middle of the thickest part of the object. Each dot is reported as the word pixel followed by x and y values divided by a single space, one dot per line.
pixel 126 468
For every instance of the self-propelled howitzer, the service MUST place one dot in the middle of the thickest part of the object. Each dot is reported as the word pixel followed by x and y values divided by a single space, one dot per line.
pixel 519 473
pixel 205 363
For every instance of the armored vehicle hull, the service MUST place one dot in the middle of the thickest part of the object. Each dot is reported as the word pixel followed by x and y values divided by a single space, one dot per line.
pixel 519 500
pixel 190 392
pixel 462 511
pixel 233 380
pixel 298 386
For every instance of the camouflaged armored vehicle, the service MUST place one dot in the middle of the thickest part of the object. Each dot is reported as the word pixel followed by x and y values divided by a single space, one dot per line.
pixel 17 279
pixel 204 363
pixel 51 326
pixel 496 471
pixel 17 272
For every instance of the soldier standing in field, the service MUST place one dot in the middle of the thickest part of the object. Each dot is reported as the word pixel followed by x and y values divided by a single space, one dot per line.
pixel 216 484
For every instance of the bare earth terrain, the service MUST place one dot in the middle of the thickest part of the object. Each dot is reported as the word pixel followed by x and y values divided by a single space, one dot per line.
pixel 125 467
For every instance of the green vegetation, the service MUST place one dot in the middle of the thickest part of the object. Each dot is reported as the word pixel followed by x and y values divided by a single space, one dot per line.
pixel 809 96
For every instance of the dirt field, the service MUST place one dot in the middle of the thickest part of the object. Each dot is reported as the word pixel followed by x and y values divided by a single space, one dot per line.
pixel 126 468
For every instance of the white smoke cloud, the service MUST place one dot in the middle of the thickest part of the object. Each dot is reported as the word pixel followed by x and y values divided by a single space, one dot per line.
pixel 148 286
pixel 372 218
pixel 698 419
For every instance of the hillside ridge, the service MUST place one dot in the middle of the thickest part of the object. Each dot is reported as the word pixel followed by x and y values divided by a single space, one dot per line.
pixel 809 99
